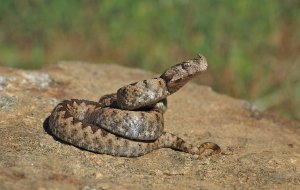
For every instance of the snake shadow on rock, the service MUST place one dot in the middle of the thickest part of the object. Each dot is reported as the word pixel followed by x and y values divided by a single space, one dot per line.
pixel 48 131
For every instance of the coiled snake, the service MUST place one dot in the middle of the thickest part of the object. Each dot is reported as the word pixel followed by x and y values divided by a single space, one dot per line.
pixel 130 122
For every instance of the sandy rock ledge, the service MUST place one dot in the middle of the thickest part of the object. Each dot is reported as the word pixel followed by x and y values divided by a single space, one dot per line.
pixel 260 150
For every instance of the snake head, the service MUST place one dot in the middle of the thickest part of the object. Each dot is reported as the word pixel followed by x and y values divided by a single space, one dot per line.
pixel 178 75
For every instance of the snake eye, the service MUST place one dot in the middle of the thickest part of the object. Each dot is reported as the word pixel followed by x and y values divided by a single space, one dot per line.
pixel 186 65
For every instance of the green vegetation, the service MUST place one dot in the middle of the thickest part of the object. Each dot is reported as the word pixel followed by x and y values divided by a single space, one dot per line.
pixel 253 47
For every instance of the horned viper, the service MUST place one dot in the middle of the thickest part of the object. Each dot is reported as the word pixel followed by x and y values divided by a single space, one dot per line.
pixel 129 122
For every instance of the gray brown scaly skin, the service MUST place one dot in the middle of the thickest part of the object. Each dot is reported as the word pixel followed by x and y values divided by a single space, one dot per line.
pixel 107 127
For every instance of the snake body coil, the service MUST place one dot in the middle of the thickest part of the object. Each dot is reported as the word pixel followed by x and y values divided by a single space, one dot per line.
pixel 130 122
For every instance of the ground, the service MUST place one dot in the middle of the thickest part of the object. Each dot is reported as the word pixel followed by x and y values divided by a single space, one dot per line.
pixel 259 150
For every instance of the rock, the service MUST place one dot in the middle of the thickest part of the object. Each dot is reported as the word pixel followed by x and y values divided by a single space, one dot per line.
pixel 259 150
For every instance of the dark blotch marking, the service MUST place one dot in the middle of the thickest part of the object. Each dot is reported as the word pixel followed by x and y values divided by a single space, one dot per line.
pixel 145 82
pixel 157 118
pixel 126 143
pixel 148 147
pixel 109 144
pixel 94 128
pixel 160 83
pixel 114 113
pixel 74 132
pixel 76 121
pixel 179 144
pixel 143 115
pixel 85 135
pixel 104 133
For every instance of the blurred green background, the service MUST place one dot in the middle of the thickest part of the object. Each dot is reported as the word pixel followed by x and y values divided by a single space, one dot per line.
pixel 253 47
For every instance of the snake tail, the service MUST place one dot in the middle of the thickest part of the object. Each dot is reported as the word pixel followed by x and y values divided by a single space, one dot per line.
pixel 174 142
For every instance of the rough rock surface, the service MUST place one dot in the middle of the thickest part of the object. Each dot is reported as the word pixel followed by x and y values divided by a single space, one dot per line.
pixel 260 150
